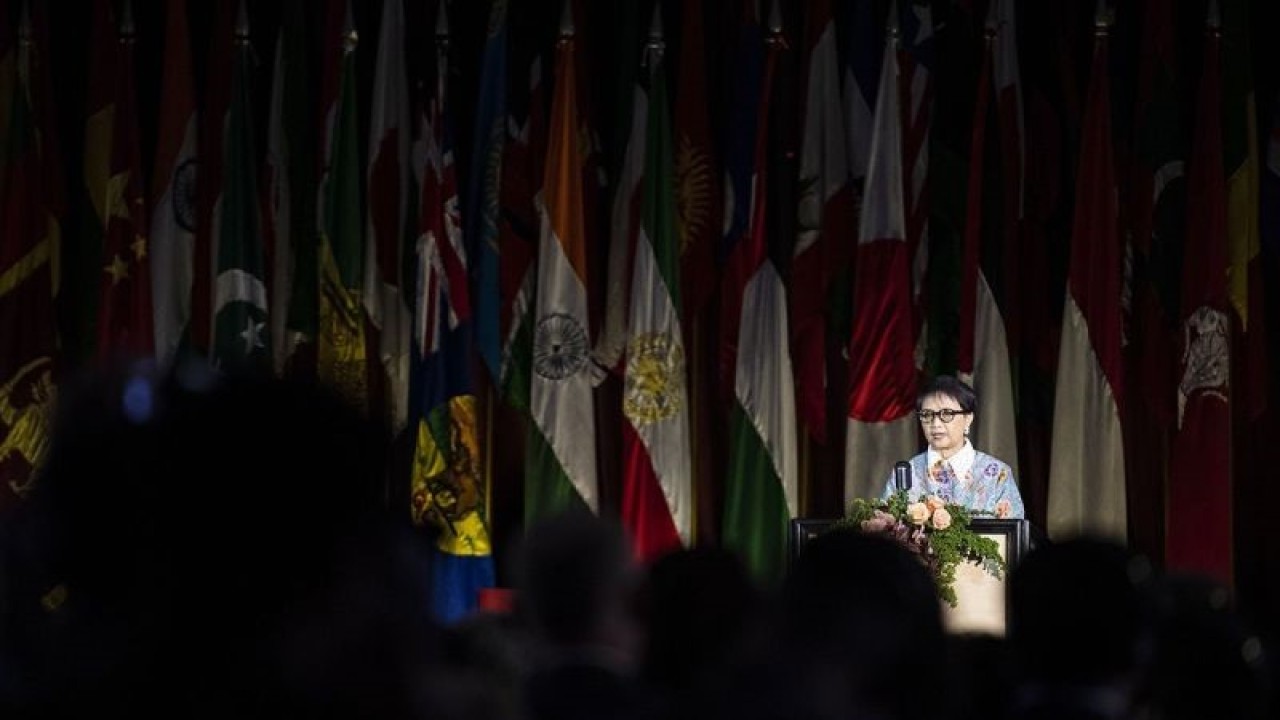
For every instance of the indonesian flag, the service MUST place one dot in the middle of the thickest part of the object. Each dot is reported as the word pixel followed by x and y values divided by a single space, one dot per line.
pixel 657 488
pixel 1086 472
pixel 882 371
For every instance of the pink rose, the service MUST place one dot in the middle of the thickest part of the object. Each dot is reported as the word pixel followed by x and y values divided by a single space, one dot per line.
pixel 933 502
pixel 941 519
pixel 1003 508
pixel 879 522
pixel 917 513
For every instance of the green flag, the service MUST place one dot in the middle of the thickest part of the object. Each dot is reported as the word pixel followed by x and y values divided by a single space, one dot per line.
pixel 341 355
pixel 240 293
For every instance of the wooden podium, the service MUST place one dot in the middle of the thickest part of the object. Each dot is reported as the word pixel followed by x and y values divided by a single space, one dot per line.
pixel 982 599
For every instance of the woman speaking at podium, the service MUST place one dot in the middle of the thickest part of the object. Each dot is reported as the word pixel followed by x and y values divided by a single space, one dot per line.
pixel 951 468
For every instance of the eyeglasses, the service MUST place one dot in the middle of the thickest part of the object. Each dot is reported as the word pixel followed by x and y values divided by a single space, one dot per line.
pixel 946 415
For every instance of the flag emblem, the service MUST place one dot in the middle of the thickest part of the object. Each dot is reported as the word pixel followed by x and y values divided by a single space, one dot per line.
pixel 184 195
pixel 559 347
pixel 1207 359
pixel 446 482
pixel 26 405
pixel 694 185
pixel 655 379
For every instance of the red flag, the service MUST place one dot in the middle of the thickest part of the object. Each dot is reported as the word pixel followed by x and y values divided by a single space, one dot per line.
pixel 1198 522
pixel 825 217
pixel 697 184
pixel 30 230
pixel 882 375
pixel 124 297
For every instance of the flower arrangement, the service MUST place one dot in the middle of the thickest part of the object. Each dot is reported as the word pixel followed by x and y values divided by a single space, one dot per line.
pixel 937 532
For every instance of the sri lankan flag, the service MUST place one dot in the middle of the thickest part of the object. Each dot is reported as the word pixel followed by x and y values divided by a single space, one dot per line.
pixel 447 490
pixel 341 355
pixel 29 238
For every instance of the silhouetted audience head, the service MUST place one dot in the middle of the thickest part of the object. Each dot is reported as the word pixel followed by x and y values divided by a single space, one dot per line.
pixel 864 620
pixel 979 677
pixel 1207 663
pixel 577 588
pixel 703 609
pixel 203 545
pixel 1080 612
pixel 577 584
pixel 1081 629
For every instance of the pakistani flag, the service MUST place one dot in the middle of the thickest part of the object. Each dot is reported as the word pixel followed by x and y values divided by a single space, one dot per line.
pixel 562 463
pixel 240 295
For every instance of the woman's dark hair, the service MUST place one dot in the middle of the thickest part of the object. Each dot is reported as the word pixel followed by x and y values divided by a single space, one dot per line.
pixel 953 388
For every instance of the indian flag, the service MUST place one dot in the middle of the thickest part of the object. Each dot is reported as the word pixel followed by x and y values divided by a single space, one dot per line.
pixel 562 463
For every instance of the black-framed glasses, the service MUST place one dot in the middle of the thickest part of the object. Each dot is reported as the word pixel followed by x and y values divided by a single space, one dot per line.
pixel 946 415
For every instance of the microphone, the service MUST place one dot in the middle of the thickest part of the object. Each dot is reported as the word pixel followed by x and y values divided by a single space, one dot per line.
pixel 902 476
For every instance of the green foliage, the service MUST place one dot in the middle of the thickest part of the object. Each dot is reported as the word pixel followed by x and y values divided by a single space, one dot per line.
pixel 936 532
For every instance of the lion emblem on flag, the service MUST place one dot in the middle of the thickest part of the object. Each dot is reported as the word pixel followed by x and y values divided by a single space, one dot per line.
pixel 654 388
pixel 1206 360
pixel 26 407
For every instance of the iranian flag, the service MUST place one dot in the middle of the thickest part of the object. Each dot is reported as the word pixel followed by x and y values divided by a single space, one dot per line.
pixel 1086 472
pixel 657 497
pixel 882 372
pixel 562 463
